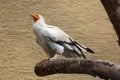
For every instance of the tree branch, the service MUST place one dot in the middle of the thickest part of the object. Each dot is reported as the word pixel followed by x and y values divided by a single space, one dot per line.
pixel 103 69
pixel 112 8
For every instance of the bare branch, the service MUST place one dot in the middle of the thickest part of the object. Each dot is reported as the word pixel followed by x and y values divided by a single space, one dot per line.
pixel 103 69
pixel 112 8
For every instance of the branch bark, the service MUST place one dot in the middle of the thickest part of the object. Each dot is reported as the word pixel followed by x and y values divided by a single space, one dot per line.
pixel 112 8
pixel 103 69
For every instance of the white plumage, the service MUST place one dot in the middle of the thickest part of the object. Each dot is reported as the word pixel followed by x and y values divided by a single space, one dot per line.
pixel 54 41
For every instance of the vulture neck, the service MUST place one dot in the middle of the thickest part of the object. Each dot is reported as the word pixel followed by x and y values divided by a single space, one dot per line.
pixel 42 22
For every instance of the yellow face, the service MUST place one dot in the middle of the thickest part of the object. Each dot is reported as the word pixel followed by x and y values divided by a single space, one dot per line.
pixel 35 17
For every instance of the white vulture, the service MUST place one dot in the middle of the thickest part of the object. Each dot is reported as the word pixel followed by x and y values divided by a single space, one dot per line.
pixel 55 41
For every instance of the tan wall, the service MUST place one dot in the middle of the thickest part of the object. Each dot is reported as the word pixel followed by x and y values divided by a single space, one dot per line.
pixel 85 20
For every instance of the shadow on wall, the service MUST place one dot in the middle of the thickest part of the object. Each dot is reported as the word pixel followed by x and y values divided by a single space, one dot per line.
pixel 112 8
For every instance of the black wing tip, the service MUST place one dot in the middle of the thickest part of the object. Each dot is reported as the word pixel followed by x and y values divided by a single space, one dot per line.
pixel 84 56
pixel 89 50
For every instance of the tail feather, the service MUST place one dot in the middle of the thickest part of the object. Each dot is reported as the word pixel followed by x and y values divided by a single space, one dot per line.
pixel 77 49
pixel 80 52
pixel 80 48
pixel 89 50
pixel 85 48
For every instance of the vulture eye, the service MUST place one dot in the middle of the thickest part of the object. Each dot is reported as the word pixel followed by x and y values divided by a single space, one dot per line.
pixel 37 15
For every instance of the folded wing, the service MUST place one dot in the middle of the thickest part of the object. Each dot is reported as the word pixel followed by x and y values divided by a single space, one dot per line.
pixel 58 36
